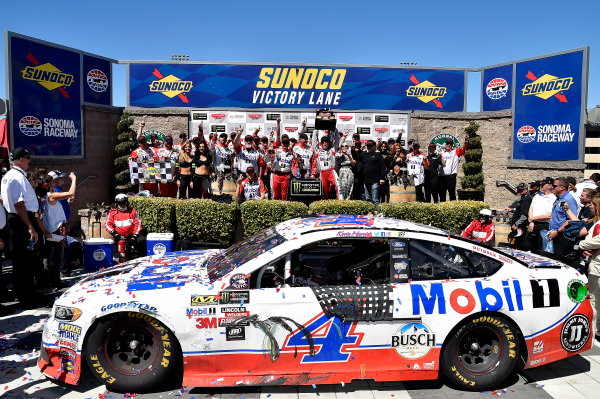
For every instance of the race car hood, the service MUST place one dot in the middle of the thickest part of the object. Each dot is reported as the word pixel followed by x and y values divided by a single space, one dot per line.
pixel 151 272
pixel 531 259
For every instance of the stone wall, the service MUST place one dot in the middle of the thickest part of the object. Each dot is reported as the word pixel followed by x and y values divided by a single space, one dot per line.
pixel 100 129
pixel 495 129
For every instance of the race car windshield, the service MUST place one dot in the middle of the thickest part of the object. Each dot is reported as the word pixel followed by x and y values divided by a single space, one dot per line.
pixel 240 253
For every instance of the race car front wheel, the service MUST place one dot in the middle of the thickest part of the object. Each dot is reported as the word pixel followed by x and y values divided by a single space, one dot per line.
pixel 131 352
pixel 482 353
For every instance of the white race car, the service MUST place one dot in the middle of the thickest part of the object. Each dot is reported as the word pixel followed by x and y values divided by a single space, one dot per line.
pixel 321 300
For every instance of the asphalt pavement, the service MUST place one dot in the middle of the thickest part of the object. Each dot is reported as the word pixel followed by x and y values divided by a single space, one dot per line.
pixel 21 331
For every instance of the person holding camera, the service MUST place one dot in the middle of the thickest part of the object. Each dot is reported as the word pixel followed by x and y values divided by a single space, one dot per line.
pixel 560 218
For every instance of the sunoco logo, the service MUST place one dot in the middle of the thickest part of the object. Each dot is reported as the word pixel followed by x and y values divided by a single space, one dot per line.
pixel 97 81
pixel 413 340
pixel 426 91
pixel 152 171
pixel 171 86
pixel 547 86
pixel 48 76
pixel 526 134
pixel 30 126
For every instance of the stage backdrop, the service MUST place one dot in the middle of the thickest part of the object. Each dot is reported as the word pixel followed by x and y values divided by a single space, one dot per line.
pixel 295 86
pixel 548 107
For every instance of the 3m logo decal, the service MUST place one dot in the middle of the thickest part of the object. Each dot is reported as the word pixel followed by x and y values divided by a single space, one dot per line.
pixel 47 75
pixel 426 91
pixel 171 86
pixel 547 86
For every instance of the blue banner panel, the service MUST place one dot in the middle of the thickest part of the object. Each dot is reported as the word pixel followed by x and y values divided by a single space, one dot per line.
pixel 46 99
pixel 548 105
pixel 497 88
pixel 97 84
pixel 264 86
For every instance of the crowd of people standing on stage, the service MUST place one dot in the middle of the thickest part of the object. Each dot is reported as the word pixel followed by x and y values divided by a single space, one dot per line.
pixel 258 166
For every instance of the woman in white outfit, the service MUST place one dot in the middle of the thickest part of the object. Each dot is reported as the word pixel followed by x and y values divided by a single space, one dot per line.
pixel 54 219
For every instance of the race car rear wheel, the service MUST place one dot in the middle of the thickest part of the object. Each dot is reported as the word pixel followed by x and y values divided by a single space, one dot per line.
pixel 482 353
pixel 131 352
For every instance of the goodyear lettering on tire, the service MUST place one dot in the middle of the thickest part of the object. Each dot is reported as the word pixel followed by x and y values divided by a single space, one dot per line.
pixel 166 342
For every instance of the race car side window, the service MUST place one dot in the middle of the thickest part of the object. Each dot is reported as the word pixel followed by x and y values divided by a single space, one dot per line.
pixel 481 265
pixel 341 262
pixel 436 261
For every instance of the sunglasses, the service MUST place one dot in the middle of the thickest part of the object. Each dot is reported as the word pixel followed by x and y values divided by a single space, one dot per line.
pixel 26 157
pixel 557 185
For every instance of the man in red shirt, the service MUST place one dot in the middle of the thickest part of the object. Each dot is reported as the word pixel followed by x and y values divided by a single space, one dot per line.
pixel 251 188
pixel 481 229
pixel 123 222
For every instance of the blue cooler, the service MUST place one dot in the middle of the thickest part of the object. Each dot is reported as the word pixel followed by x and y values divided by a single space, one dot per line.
pixel 97 253
pixel 159 243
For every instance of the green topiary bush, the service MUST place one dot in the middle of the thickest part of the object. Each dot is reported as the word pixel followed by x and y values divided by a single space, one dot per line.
pixel 259 215
pixel 157 214
pixel 346 207
pixel 206 220
pixel 472 167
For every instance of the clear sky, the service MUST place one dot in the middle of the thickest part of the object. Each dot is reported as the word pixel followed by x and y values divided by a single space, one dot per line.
pixel 431 33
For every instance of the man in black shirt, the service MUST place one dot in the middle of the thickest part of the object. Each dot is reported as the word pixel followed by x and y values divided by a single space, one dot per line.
pixel 357 169
pixel 373 173
pixel 432 175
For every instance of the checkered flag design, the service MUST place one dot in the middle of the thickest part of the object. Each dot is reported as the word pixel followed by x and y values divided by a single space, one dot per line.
pixel 151 171
pixel 356 303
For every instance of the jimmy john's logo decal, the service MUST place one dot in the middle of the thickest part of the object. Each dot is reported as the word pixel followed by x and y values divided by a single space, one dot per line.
pixel 426 91
pixel 171 86
pixel 547 86
pixel 575 333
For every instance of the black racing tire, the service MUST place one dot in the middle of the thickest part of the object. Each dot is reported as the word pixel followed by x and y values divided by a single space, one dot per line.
pixel 131 352
pixel 482 353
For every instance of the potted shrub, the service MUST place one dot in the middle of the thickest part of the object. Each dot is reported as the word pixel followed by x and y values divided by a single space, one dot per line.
pixel 125 144
pixel 472 182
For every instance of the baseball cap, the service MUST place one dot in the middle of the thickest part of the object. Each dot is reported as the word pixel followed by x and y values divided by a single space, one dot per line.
pixel 370 143
pixel 303 136
pixel 547 180
pixel 356 136
pixel 411 141
pixel 19 153
pixel 250 169
pixel 431 145
pixel 391 140
pixel 416 143
pixel 248 138
pixel 284 136
pixel 223 135
pixel 55 174
pixel 449 141
pixel 535 183
pixel 521 186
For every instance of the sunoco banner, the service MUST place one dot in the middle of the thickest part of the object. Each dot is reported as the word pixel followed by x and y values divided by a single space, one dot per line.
pixel 548 105
pixel 497 88
pixel 46 98
pixel 285 86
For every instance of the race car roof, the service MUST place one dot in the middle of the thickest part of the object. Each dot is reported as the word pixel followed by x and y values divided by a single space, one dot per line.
pixel 307 224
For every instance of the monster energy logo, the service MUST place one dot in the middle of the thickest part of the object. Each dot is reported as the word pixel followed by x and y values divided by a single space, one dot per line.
pixel 303 187
pixel 228 297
